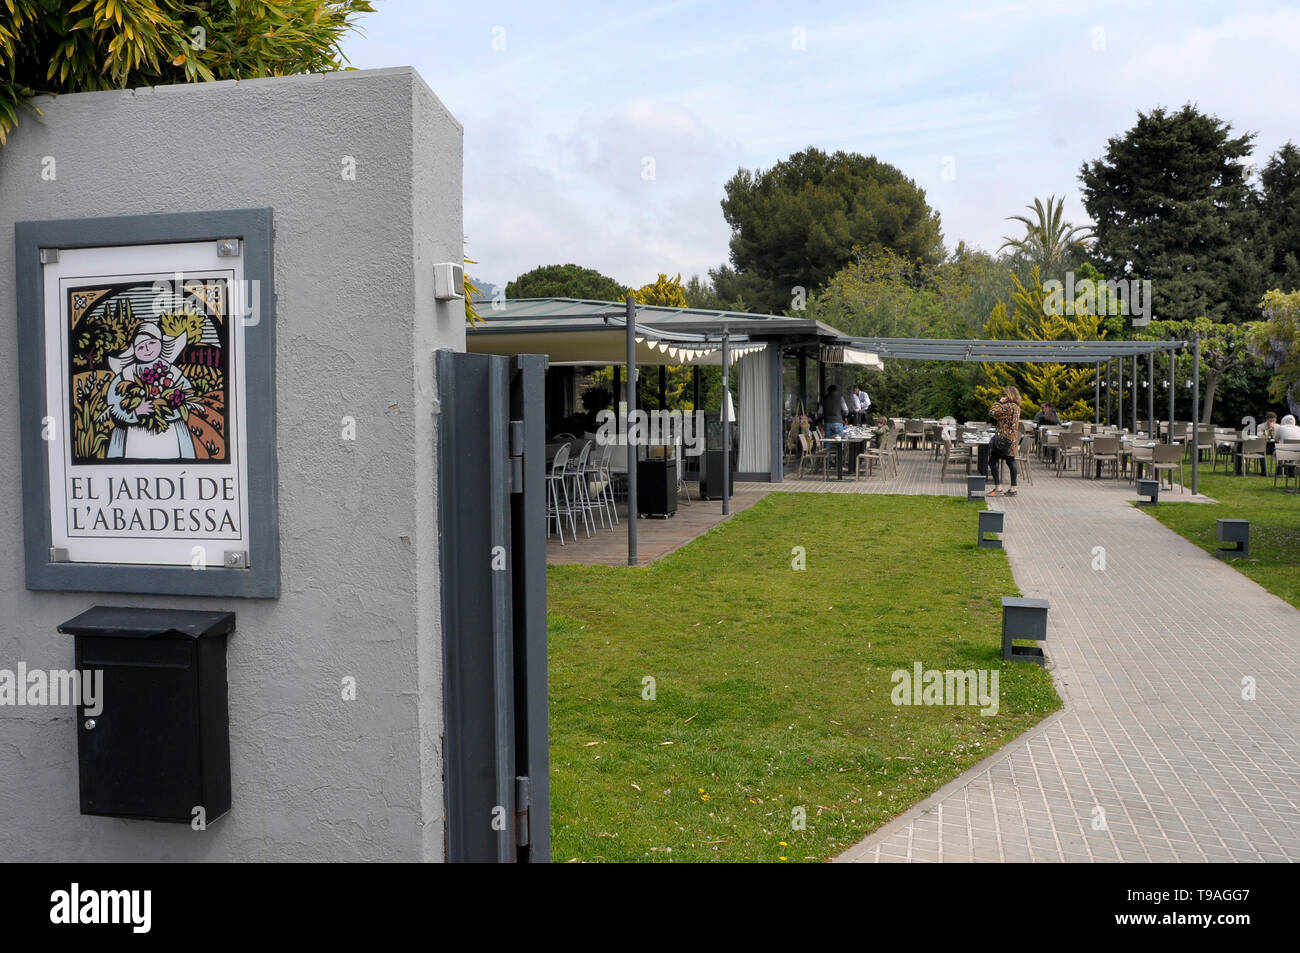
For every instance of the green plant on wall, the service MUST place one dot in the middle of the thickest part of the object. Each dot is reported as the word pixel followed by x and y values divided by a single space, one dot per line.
pixel 77 46
pixel 1277 340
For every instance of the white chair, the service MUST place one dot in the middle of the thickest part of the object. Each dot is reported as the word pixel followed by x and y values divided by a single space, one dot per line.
pixel 576 475
pixel 557 502
pixel 598 485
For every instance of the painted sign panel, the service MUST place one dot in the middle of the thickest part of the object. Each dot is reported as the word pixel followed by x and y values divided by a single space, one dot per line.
pixel 146 376
pixel 146 410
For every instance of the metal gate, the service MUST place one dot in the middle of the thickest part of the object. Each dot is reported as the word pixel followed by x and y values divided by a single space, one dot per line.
pixel 492 508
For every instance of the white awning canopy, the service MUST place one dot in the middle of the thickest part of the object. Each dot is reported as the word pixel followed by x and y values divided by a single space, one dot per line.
pixel 852 355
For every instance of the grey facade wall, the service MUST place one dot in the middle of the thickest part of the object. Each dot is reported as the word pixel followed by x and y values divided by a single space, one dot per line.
pixel 314 777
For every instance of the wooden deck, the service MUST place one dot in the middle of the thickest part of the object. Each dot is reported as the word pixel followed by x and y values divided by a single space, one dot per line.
pixel 918 474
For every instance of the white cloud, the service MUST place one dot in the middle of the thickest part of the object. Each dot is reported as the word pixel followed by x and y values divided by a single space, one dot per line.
pixel 557 125
pixel 578 193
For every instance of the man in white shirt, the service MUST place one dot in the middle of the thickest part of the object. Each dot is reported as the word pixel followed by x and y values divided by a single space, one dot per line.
pixel 860 404
pixel 1287 431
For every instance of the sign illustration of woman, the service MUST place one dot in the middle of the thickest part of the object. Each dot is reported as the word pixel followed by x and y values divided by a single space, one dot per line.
pixel 147 399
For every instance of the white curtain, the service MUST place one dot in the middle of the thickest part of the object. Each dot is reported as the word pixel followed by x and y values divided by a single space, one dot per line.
pixel 755 421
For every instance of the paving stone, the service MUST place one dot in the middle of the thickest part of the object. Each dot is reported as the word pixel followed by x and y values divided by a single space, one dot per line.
pixel 1151 652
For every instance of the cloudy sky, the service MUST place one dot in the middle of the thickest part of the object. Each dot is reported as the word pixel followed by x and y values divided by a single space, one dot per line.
pixel 602 133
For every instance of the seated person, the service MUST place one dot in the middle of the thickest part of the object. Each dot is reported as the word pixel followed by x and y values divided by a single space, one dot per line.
pixel 1046 415
pixel 1268 429
pixel 1287 431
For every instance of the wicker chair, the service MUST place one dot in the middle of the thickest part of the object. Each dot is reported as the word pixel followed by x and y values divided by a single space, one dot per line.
pixel 1287 465
pixel 886 455
pixel 1024 458
pixel 1107 450
pixel 1166 457
pixel 1255 449
pixel 811 457
pixel 954 455
pixel 1071 445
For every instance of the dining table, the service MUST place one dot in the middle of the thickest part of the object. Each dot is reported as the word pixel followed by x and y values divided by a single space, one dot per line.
pixel 981 444
pixel 844 445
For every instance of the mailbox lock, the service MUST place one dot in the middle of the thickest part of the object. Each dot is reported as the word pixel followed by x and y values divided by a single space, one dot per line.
pixel 90 724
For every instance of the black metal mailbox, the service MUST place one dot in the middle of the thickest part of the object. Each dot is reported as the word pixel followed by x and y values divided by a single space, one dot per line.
pixel 160 748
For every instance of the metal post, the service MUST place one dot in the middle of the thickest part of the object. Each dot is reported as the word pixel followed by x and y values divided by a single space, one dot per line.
pixel 726 422
pixel 1119 395
pixel 1151 395
pixel 1196 412
pixel 1134 422
pixel 618 386
pixel 1096 394
pixel 803 381
pixel 1171 395
pixel 695 387
pixel 631 447
pixel 663 387
pixel 1110 386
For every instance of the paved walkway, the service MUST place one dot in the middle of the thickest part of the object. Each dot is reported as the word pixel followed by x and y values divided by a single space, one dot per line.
pixel 1156 757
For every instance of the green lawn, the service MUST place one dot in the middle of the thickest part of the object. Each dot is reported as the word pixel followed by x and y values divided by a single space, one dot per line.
pixel 1274 560
pixel 773 686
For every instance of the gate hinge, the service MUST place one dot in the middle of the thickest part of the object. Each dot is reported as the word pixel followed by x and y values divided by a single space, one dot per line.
pixel 516 456
pixel 523 801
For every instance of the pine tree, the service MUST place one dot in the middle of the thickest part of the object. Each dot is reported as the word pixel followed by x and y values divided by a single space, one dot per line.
pixel 1067 387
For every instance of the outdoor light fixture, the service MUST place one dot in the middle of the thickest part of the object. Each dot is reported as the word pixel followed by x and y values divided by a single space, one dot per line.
pixel 448 281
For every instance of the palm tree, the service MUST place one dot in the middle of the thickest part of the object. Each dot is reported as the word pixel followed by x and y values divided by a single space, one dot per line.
pixel 1048 240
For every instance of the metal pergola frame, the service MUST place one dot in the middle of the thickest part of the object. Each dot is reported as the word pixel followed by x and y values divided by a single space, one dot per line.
pixel 1064 352
pixel 698 328
pixel 1009 352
